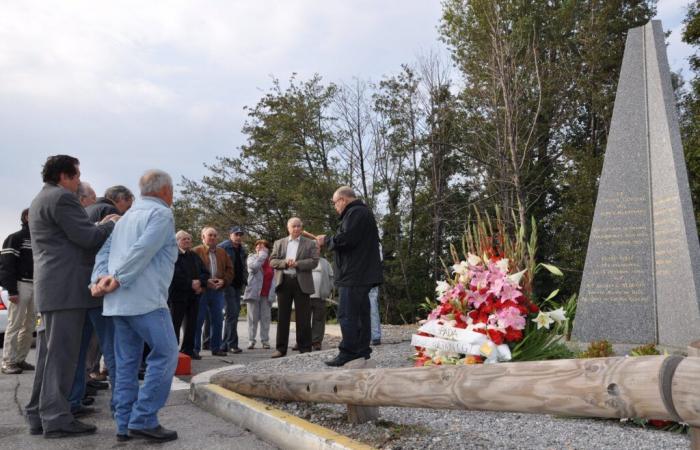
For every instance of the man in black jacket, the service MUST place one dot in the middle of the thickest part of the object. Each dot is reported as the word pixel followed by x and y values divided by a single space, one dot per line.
pixel 16 273
pixel 98 330
pixel 358 269
pixel 189 278
pixel 117 200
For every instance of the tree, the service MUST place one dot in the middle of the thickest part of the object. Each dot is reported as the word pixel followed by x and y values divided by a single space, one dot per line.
pixel 690 108
pixel 286 168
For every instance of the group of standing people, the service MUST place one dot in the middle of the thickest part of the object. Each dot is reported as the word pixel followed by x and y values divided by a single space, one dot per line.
pixel 98 277
pixel 110 277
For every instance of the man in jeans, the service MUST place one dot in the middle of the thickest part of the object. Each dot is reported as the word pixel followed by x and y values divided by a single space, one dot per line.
pixel 236 251
pixel 133 270
pixel 218 264
pixel 16 272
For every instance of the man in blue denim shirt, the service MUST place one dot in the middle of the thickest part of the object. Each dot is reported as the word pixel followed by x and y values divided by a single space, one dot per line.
pixel 133 270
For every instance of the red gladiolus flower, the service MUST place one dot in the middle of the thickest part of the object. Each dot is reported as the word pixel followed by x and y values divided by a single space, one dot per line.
pixel 513 335
pixel 659 423
pixel 534 308
pixel 495 336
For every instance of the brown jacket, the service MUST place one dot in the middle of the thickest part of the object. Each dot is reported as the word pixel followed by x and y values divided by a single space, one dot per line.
pixel 224 266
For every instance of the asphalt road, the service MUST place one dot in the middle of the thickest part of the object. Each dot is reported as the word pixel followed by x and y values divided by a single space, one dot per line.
pixel 196 428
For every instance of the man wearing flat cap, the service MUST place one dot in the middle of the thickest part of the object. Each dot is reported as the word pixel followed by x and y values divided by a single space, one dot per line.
pixel 237 252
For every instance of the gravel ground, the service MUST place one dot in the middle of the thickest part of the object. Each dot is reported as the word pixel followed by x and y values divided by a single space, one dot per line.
pixel 412 428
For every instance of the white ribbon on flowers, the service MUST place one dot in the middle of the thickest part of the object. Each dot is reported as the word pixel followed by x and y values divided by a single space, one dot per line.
pixel 459 340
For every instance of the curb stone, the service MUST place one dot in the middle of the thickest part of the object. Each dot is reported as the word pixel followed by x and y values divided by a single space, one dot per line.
pixel 269 424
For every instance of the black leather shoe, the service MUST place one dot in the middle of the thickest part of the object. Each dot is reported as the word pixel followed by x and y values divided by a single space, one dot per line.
pixel 195 356
pixel 83 411
pixel 123 437
pixel 87 401
pixel 90 391
pixel 341 360
pixel 99 385
pixel 75 428
pixel 219 353
pixel 158 434
pixel 235 350
pixel 24 365
pixel 36 431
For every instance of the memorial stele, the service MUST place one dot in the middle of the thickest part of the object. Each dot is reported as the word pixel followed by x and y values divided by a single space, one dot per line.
pixel 640 282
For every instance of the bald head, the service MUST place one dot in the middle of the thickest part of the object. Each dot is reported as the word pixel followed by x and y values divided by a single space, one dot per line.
pixel 342 197
pixel 86 194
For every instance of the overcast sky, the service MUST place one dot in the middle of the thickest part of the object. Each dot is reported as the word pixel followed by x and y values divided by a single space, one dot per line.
pixel 126 86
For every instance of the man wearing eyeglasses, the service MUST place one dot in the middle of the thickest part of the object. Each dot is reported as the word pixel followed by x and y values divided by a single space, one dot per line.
pixel 358 269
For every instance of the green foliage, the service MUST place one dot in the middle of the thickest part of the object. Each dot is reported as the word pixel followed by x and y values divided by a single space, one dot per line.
pixel 286 168
pixel 690 108
pixel 523 131
pixel 645 350
pixel 543 344
pixel 597 349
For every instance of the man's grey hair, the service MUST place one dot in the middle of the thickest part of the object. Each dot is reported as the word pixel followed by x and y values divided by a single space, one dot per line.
pixel 207 228
pixel 345 191
pixel 85 190
pixel 181 234
pixel 294 219
pixel 153 181
pixel 118 193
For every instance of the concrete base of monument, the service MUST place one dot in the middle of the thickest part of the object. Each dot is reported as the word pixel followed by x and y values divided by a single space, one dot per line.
pixel 269 424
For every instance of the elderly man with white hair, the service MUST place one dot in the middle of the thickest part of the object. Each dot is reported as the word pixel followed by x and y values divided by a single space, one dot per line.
pixel 188 283
pixel 133 271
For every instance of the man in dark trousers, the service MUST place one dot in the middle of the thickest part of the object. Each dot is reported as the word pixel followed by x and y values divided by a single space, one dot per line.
pixel 293 259
pixel 189 278
pixel 236 251
pixel 16 273
pixel 64 243
pixel 98 330
pixel 358 269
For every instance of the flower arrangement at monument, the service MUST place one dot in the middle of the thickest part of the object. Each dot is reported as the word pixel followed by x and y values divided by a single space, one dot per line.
pixel 485 312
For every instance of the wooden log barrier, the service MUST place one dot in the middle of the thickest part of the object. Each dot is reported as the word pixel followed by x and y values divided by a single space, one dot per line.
pixel 652 387
pixel 689 407
pixel 357 413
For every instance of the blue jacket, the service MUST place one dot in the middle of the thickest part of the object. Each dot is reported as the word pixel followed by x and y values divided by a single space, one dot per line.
pixel 240 267
pixel 141 254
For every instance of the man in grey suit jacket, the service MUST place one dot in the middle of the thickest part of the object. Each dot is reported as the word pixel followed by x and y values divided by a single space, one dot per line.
pixel 64 243
pixel 293 259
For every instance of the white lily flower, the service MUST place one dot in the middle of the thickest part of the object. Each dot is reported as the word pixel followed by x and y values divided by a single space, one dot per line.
pixel 558 314
pixel 473 260
pixel 516 277
pixel 460 268
pixel 502 265
pixel 441 288
pixel 543 320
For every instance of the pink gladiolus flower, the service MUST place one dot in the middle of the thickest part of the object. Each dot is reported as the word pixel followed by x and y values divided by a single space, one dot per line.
pixel 498 282
pixel 475 298
pixel 510 317
pixel 510 292
pixel 480 280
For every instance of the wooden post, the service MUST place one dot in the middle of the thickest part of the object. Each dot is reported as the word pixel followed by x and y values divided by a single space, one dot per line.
pixel 357 413
pixel 598 387
pixel 694 351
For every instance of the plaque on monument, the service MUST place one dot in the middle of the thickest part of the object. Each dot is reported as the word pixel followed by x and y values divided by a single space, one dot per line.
pixel 639 283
